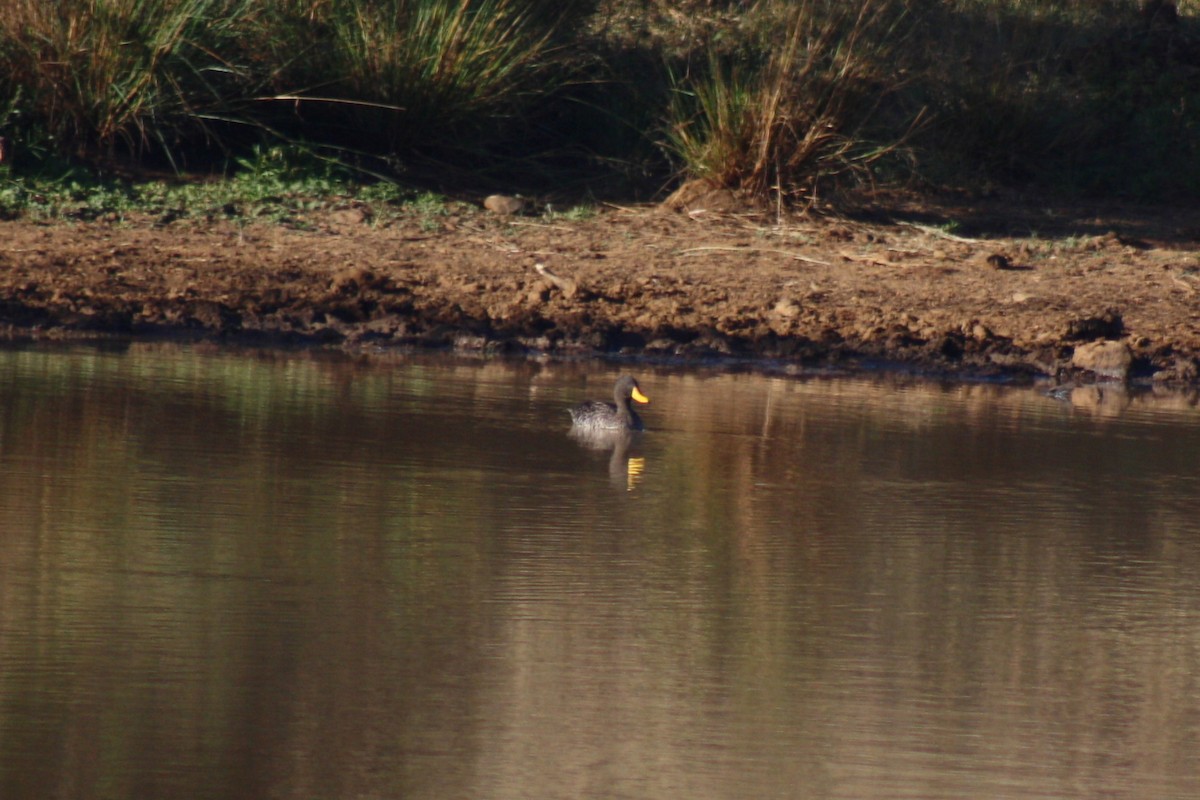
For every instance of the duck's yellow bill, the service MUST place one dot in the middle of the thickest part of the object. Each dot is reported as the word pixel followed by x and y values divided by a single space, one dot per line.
pixel 641 398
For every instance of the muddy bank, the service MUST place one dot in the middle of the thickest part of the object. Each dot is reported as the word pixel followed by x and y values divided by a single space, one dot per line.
pixel 999 292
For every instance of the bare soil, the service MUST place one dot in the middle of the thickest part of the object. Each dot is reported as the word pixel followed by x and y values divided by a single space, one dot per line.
pixel 1002 291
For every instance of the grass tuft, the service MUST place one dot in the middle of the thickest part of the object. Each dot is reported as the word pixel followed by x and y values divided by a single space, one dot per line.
pixel 394 75
pixel 782 123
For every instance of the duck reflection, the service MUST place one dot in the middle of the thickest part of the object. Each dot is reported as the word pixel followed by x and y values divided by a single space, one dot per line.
pixel 623 469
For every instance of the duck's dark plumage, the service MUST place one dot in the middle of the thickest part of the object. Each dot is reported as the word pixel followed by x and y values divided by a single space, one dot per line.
pixel 619 415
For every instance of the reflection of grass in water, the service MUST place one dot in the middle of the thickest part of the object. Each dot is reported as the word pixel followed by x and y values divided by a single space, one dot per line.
pixel 115 404
pixel 246 382
pixel 193 467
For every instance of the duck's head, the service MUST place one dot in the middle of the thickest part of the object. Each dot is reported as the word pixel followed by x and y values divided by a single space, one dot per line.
pixel 627 386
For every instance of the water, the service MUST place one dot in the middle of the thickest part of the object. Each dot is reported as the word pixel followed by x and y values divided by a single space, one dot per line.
pixel 230 575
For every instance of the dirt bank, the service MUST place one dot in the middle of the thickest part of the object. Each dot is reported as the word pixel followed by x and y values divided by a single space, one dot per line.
pixel 995 292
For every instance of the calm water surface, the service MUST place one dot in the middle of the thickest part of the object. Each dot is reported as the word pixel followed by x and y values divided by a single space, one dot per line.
pixel 288 576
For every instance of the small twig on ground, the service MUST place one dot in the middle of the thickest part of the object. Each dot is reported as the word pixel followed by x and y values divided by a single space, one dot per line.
pixel 1191 289
pixel 568 286
pixel 626 209
pixel 511 249
pixel 694 250
pixel 932 231
pixel 866 259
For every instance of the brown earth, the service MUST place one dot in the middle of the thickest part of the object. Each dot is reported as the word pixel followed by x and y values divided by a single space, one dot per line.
pixel 1008 293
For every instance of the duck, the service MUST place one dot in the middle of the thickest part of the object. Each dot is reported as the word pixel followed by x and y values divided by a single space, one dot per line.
pixel 600 415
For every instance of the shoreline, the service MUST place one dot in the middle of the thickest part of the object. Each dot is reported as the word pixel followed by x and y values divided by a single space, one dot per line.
pixel 690 285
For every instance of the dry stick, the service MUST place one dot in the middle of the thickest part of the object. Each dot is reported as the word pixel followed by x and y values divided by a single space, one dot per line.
pixel 937 232
pixel 299 98
pixel 797 256
pixel 568 286
pixel 626 209
pixel 866 260
pixel 1191 289
pixel 511 249
pixel 778 191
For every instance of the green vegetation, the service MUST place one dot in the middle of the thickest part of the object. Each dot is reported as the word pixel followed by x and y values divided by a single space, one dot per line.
pixel 279 184
pixel 577 213
pixel 784 100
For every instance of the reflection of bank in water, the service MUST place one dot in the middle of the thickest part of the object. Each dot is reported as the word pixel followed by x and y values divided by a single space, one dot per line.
pixel 623 469
pixel 1102 400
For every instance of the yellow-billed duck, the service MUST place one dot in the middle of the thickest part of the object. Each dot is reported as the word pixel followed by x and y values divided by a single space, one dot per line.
pixel 597 414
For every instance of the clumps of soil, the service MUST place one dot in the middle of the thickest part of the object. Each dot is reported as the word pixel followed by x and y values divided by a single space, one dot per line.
pixel 695 281
pixel 1108 325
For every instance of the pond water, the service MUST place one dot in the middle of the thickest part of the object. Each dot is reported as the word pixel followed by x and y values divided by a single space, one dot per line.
pixel 271 575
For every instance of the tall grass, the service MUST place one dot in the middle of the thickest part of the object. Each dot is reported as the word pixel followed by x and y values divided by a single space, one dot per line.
pixel 776 98
pixel 1069 97
pixel 436 59
pixel 395 74
pixel 784 122
pixel 95 76
pixel 92 79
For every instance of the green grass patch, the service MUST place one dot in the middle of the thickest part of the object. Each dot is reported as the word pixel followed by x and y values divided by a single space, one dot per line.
pixel 276 184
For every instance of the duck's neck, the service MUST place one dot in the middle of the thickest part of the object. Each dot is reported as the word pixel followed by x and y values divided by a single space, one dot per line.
pixel 628 414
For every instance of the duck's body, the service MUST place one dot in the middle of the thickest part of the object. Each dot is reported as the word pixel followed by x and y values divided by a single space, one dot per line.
pixel 599 415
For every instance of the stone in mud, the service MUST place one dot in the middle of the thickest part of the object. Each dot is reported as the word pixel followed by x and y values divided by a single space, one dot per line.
pixel 698 196
pixel 353 279
pixel 782 316
pixel 348 217
pixel 503 204
pixel 786 308
pixel 1108 360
